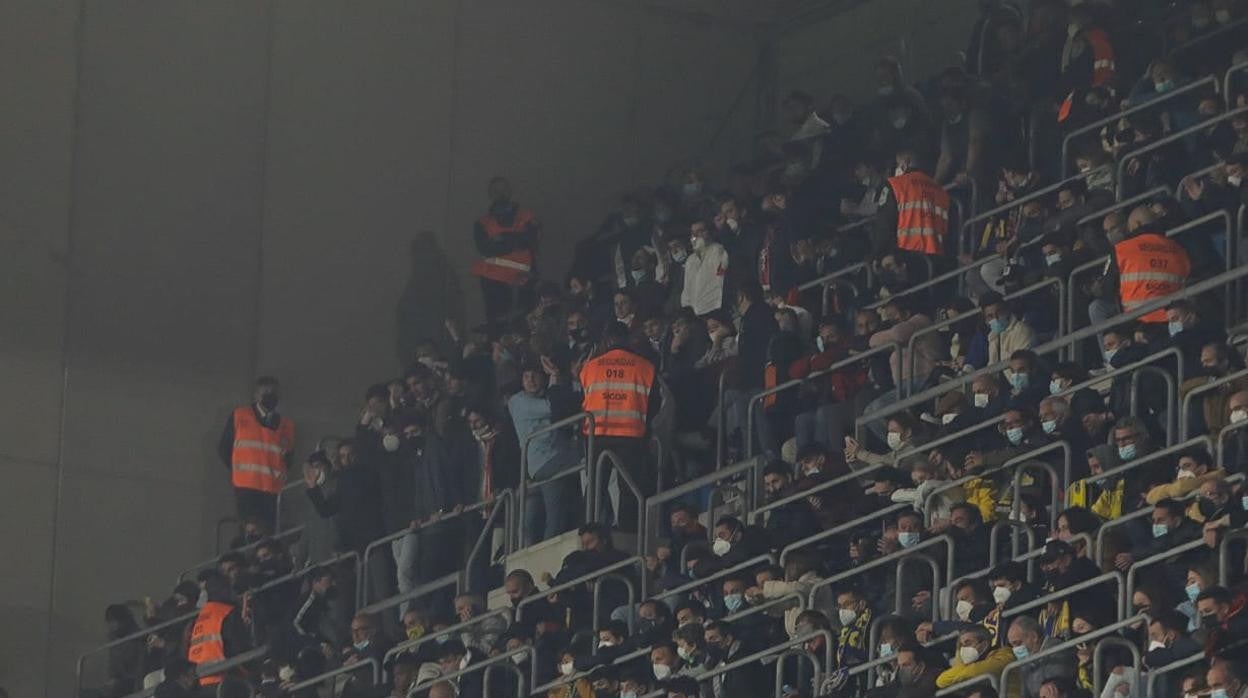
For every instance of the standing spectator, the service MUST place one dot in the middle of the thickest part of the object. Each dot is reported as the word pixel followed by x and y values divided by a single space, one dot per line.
pixel 550 506
pixel 913 210
pixel 506 238
pixel 705 271
pixel 353 501
pixel 257 445
pixel 620 390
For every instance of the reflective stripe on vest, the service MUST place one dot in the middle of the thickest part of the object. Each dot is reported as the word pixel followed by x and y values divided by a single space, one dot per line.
pixel 922 212
pixel 1103 66
pixel 207 645
pixel 617 388
pixel 1150 266
pixel 257 462
pixel 514 267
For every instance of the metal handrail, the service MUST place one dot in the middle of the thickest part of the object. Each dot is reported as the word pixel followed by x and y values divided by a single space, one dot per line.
pixel 769 652
pixel 332 673
pixel 1063 646
pixel 1172 395
pixel 721 574
pixel 577 676
pixel 277 504
pixel 404 532
pixel 958 688
pixel 502 503
pixel 843 363
pixel 138 635
pixel 1149 360
pixel 212 561
pixel 754 515
pixel 1154 674
pixel 1208 35
pixel 1097 125
pixel 801 653
pixel 522 490
pixel 984 474
pixel 1149 457
pixel 1202 389
pixel 767 606
pixel 453 630
pixel 1224 554
pixel 1055 487
pixel 1018 203
pixel 993 556
pixel 1167 140
pixel 899 598
pixel 1065 593
pixel 934 281
pixel 1125 203
pixel 1221 443
pixel 896 556
pixel 1113 641
pixel 1226 80
pixel 835 530
pixel 590 578
pixel 502 659
pixel 450 579
pixel 210 668
pixel 1138 565
pixel 751 491
pixel 948 322
pixel 1079 335
pixel 596 595
pixel 843 271
pixel 608 456
pixel 721 421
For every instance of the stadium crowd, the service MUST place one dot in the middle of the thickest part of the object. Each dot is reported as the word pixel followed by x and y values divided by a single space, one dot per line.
pixel 948 325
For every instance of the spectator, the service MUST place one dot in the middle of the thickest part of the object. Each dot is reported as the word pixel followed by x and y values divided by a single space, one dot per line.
pixel 535 407
pixel 704 271
pixel 353 501
pixel 1026 640
pixel 976 656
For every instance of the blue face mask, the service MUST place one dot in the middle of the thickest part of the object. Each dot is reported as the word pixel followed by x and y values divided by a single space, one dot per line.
pixel 1015 435
pixel 1160 530
pixel 1020 380
pixel 628 694
pixel 1126 452
pixel 638 275
pixel 1163 86
pixel 1049 426
pixel 1192 592
pixel 996 325
pixel 1021 652
pixel 1055 386
pixel 734 602
pixel 1175 327
pixel 1218 693
pixel 1245 503
pixel 886 649
pixel 908 539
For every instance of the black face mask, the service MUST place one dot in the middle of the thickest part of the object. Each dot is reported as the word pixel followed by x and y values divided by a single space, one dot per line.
pixel 1208 508
pixel 269 401
pixel 581 335
pixel 1210 621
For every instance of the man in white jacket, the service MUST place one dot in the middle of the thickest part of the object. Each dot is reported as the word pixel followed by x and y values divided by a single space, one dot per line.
pixel 705 270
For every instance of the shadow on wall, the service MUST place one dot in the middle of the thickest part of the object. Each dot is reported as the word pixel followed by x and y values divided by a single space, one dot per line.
pixel 431 297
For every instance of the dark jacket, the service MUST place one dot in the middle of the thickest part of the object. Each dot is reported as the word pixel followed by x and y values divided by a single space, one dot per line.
pixel 791 522
pixel 757 327
pixel 416 481
pixel 353 501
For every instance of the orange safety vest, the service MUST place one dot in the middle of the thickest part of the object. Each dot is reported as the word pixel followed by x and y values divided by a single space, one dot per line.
pixel 1150 266
pixel 258 461
pixel 617 392
pixel 207 645
pixel 513 268
pixel 771 378
pixel 922 212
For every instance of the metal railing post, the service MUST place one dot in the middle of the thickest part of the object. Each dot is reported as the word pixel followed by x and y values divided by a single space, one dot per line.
pixel 1127 157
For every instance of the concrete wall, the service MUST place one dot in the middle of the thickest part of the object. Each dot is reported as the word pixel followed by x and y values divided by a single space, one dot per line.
pixel 238 197
pixel 194 192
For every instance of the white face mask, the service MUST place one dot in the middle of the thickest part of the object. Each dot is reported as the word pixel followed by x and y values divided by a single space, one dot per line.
pixel 1234 180
pixel 519 657
pixel 900 170
pixel 894 440
pixel 1185 474
pixel 981 400
pixel 847 616
pixel 390 442
pixel 721 547
pixel 679 256
pixel 566 668
pixel 1238 416
pixel 948 417
pixel 968 655
pixel 463 663
pixel 662 671
pixel 1001 594
pixel 732 224
pixel 963 609
pixel 1156 645
pixel 697 243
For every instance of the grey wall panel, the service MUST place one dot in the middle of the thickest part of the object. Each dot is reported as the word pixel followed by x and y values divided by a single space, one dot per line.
pixel 358 156
pixel 26 519
pixel 36 93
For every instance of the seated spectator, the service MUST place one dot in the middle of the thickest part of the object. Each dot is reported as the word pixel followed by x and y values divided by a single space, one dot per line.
pixel 1027 640
pixel 904 432
pixel 725 645
pixel 1225 622
pixel 976 656
pixel 793 521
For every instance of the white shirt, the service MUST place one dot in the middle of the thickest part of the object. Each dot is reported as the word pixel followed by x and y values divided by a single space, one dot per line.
pixel 705 269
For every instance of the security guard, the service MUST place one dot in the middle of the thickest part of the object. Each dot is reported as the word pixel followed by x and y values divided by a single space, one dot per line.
pixel 619 390
pixel 913 210
pixel 256 446
pixel 1144 266
pixel 219 632
pixel 506 238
